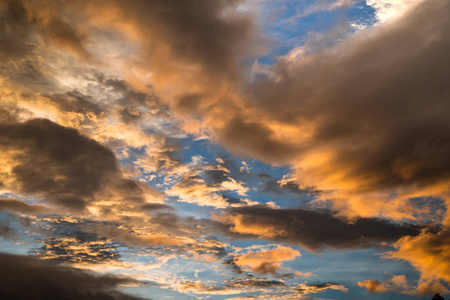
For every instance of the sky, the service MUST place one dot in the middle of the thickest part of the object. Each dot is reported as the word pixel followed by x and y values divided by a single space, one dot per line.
pixel 224 149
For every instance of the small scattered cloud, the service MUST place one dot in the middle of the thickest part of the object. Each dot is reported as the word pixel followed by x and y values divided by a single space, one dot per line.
pixel 305 289
pixel 397 284
pixel 267 261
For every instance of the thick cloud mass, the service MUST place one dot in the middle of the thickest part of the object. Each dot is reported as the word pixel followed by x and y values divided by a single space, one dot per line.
pixel 180 26
pixel 14 30
pixel 45 159
pixel 313 229
pixel 57 162
pixel 24 278
pixel 19 206
pixel 371 114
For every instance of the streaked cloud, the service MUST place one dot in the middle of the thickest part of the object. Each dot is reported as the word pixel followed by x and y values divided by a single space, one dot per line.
pixel 313 230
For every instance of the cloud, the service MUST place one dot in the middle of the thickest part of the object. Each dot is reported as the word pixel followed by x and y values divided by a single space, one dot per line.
pixel 365 119
pixel 129 237
pixel 22 207
pixel 76 102
pixel 285 186
pixel 65 36
pixel 390 10
pixel 23 25
pixel 194 190
pixel 45 159
pixel 6 231
pixel 24 277
pixel 303 113
pixel 80 249
pixel 313 230
pixel 204 184
pixel 57 162
pixel 167 47
pixel 179 30
pixel 236 286
pixel 305 289
pixel 429 253
pixel 15 31
pixel 156 206
pixel 320 6
pixel 267 261
pixel 298 292
pixel 397 284
pixel 183 49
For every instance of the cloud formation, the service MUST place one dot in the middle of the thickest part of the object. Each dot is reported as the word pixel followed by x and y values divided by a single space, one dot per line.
pixel 42 158
pixel 397 284
pixel 398 149
pixel 366 119
pixel 267 261
pixel 14 32
pixel 15 205
pixel 429 253
pixel 305 289
pixel 314 230
pixel 232 287
pixel 24 277
pixel 363 124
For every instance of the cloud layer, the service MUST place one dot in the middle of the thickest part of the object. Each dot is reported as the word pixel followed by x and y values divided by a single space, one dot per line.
pixel 313 230
pixel 24 277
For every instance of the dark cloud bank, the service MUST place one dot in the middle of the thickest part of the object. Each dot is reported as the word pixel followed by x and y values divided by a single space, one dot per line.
pixel 25 278
pixel 61 165
pixel 378 102
pixel 314 230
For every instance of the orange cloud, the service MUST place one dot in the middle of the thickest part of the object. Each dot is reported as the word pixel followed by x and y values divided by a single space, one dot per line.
pixel 311 229
pixel 305 289
pixel 267 261
pixel 397 284
pixel 430 254
pixel 337 116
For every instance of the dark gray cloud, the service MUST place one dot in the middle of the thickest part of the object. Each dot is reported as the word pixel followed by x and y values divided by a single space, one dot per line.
pixel 255 282
pixel 256 139
pixel 15 28
pixel 156 207
pixel 312 288
pixel 181 26
pixel 249 284
pixel 6 231
pixel 314 230
pixel 57 162
pixel 64 35
pixel 15 205
pixel 276 187
pixel 75 101
pixel 177 27
pixel 24 277
pixel 377 103
pixel 61 165
pixel 213 177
